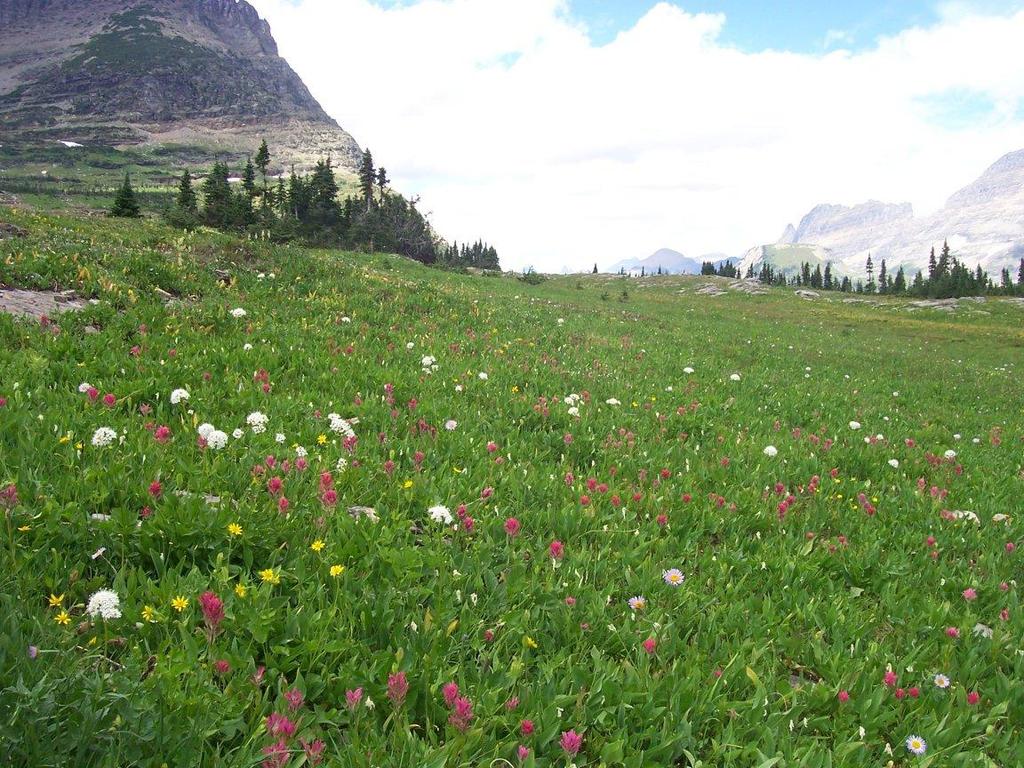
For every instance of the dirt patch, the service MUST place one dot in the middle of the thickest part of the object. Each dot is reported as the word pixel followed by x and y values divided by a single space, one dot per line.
pixel 16 301
pixel 9 230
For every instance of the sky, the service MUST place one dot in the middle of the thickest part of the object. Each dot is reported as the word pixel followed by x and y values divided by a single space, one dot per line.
pixel 574 132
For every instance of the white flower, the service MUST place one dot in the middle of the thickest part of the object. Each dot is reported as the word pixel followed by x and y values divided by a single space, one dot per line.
pixel 237 434
pixel 410 345
pixel 279 438
pixel 257 422
pixel 941 681
pixel 770 451
pixel 342 464
pixel 84 387
pixel 482 376
pixel 982 630
pixel 103 437
pixel 574 411
pixel 957 436
pixel 99 516
pixel 561 321
pixel 440 514
pixel 458 387
pixel 98 553
pixel 894 463
pixel 734 377
pixel 916 745
pixel 342 426
pixel 217 440
pixel 687 369
pixel 301 452
pixel 854 425
pixel 451 425
pixel 369 703
pixel 204 431
pixel 427 361
pixel 950 454
pixel 612 401
pixel 179 396
pixel 105 604
pixel 246 347
pixel 238 312
pixel 346 319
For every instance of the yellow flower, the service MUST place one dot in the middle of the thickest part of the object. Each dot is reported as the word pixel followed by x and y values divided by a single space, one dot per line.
pixel 179 603
pixel 148 613
pixel 240 590
pixel 78 446
pixel 321 439
pixel 407 484
pixel 24 528
pixel 63 618
pixel 270 576
pixel 56 600
pixel 317 545
pixel 337 570
pixel 529 642
pixel 234 529
pixel 515 389
pixel 64 439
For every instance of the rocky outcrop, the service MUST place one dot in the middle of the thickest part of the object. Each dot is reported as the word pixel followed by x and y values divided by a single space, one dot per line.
pixel 124 72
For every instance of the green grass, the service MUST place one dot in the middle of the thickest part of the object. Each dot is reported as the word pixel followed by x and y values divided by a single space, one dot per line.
pixel 826 596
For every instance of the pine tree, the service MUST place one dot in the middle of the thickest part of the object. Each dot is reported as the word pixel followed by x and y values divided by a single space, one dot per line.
pixel 187 201
pixel 217 197
pixel 870 268
pixel 816 279
pixel 595 267
pixel 382 181
pixel 367 178
pixel 899 285
pixel 263 161
pixel 883 279
pixel 249 179
pixel 1020 274
pixel 125 204
pixel 931 266
pixel 827 284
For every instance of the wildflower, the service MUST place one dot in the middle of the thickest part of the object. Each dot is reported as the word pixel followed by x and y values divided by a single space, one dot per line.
pixel 317 545
pixel 103 437
pixel 482 376
pixel 204 430
pixel 257 422
pixel 889 679
pixel 941 681
pixel 440 514
pixel 148 613
pixel 179 396
pixel 526 727
pixel 512 527
pixel 770 451
pixel 353 697
pixel 650 645
pixel 450 691
pixel 217 440
pixel 294 698
pixel 179 603
pixel 337 570
pixel 734 377
pixel 270 576
pixel 33 651
pixel 238 312
pixel 104 603
pixel 973 698
pixel 894 463
pixel 63 617
pixel 451 425
pixel 56 601
pixel 314 751
pixel 854 425
pixel 234 529
pixel 213 610
pixel 523 752
pixel 222 667
pixel 673 577
pixel 556 549
pixel 155 489
pixel 970 594
pixel 241 590
pixel 237 434
pixel 952 632
pixel 462 714
pixel 571 742
pixel 843 696
pixel 398 687
pixel 637 603
pixel 280 725
pixel 916 745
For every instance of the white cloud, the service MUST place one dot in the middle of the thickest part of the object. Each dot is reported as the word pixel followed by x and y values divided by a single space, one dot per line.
pixel 513 127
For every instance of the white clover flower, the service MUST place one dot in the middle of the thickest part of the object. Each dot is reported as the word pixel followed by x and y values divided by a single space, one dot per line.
pixel 854 425
pixel 237 434
pixel 84 387
pixel 770 451
pixel 103 437
pixel 204 430
pixel 238 312
pixel 950 454
pixel 894 463
pixel 257 422
pixel 217 440
pixel 104 604
pixel 179 396
pixel 440 514
pixel 279 438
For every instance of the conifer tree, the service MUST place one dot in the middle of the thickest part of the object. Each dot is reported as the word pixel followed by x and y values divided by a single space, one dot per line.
pixel 186 201
pixel 1020 274
pixel 931 266
pixel 899 284
pixel 1021 267
pixel 382 181
pixel 827 284
pixel 125 204
pixel 217 201
pixel 883 279
pixel 249 179
pixel 263 161
pixel 367 178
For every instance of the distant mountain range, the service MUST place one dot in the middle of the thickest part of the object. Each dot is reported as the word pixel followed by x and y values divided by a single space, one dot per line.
pixel 983 223
pixel 174 74
pixel 669 261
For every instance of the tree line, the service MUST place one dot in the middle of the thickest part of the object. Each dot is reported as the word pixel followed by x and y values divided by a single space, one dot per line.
pixel 308 209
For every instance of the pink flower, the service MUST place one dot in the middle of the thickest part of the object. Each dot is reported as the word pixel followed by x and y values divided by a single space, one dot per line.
pixel 492 446
pixel 353 697
pixel 571 742
pixel 662 520
pixel 914 692
pixel 1010 546
pixel 952 632
pixel 650 645
pixel 523 752
pixel 889 679
pixel 274 485
pixel 221 667
pixel 294 698
pixel 556 549
pixel 257 676
pixel 314 751
pixel 486 493
pixel 973 698
pixel 570 601
pixel 526 727
pixel 970 594
pixel 462 714
pixel 1004 614
pixel 398 687
pixel 155 489
pixel 9 496
pixel 109 400
pixel 93 393
pixel 450 692
pixel 843 696
pixel 213 610
pixel 162 434
pixel 280 725
pixel 276 755
pixel 512 527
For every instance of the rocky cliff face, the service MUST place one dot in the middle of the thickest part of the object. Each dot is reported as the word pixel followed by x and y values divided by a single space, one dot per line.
pixel 983 222
pixel 196 72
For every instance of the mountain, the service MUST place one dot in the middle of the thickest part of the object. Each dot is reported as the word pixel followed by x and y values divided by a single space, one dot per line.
pixel 983 222
pixel 671 262
pixel 175 74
